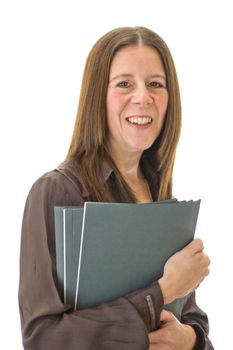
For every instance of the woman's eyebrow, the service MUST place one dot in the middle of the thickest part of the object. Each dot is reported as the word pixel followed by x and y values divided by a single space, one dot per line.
pixel 158 76
pixel 120 76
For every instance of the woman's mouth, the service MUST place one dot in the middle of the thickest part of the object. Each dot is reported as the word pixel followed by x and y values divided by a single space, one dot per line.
pixel 139 120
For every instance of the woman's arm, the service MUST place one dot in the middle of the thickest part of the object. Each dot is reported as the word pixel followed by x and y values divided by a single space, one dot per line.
pixel 47 323
pixel 183 273
pixel 190 333
pixel 192 315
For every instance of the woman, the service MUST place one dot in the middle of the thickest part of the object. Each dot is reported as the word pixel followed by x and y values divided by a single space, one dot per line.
pixel 122 150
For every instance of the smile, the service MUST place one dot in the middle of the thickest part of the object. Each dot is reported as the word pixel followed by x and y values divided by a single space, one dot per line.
pixel 142 120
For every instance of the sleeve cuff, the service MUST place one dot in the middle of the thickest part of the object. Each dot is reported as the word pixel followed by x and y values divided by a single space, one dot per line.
pixel 200 342
pixel 149 304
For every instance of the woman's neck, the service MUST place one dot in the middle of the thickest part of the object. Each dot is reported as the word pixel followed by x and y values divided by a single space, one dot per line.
pixel 129 167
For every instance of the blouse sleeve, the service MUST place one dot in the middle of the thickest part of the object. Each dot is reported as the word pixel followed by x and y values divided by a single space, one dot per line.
pixel 195 317
pixel 48 323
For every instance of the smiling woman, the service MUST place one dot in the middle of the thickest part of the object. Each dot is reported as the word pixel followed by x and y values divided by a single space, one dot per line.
pixel 91 134
pixel 122 150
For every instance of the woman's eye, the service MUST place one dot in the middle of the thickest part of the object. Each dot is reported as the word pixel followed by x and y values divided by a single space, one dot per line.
pixel 155 84
pixel 123 84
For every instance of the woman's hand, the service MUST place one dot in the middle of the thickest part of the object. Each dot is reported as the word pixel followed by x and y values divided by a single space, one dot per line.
pixel 172 334
pixel 184 271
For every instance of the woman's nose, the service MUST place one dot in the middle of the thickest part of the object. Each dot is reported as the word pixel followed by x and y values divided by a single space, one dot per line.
pixel 141 96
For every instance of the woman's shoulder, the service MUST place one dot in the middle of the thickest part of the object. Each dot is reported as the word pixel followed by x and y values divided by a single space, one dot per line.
pixel 51 178
pixel 59 182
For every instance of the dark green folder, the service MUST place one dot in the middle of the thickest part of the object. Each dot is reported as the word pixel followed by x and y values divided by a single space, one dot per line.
pixel 118 248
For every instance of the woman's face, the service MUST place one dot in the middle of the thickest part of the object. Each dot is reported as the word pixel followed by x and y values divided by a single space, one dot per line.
pixel 137 99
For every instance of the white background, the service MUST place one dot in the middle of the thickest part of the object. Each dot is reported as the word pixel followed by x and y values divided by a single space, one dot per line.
pixel 43 46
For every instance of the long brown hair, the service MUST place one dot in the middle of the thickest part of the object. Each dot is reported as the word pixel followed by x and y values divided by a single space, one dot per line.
pixel 88 144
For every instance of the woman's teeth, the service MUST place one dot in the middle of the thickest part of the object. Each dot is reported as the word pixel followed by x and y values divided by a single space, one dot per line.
pixel 139 120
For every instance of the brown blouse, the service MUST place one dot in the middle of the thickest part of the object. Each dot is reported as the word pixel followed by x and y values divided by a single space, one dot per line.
pixel 47 323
